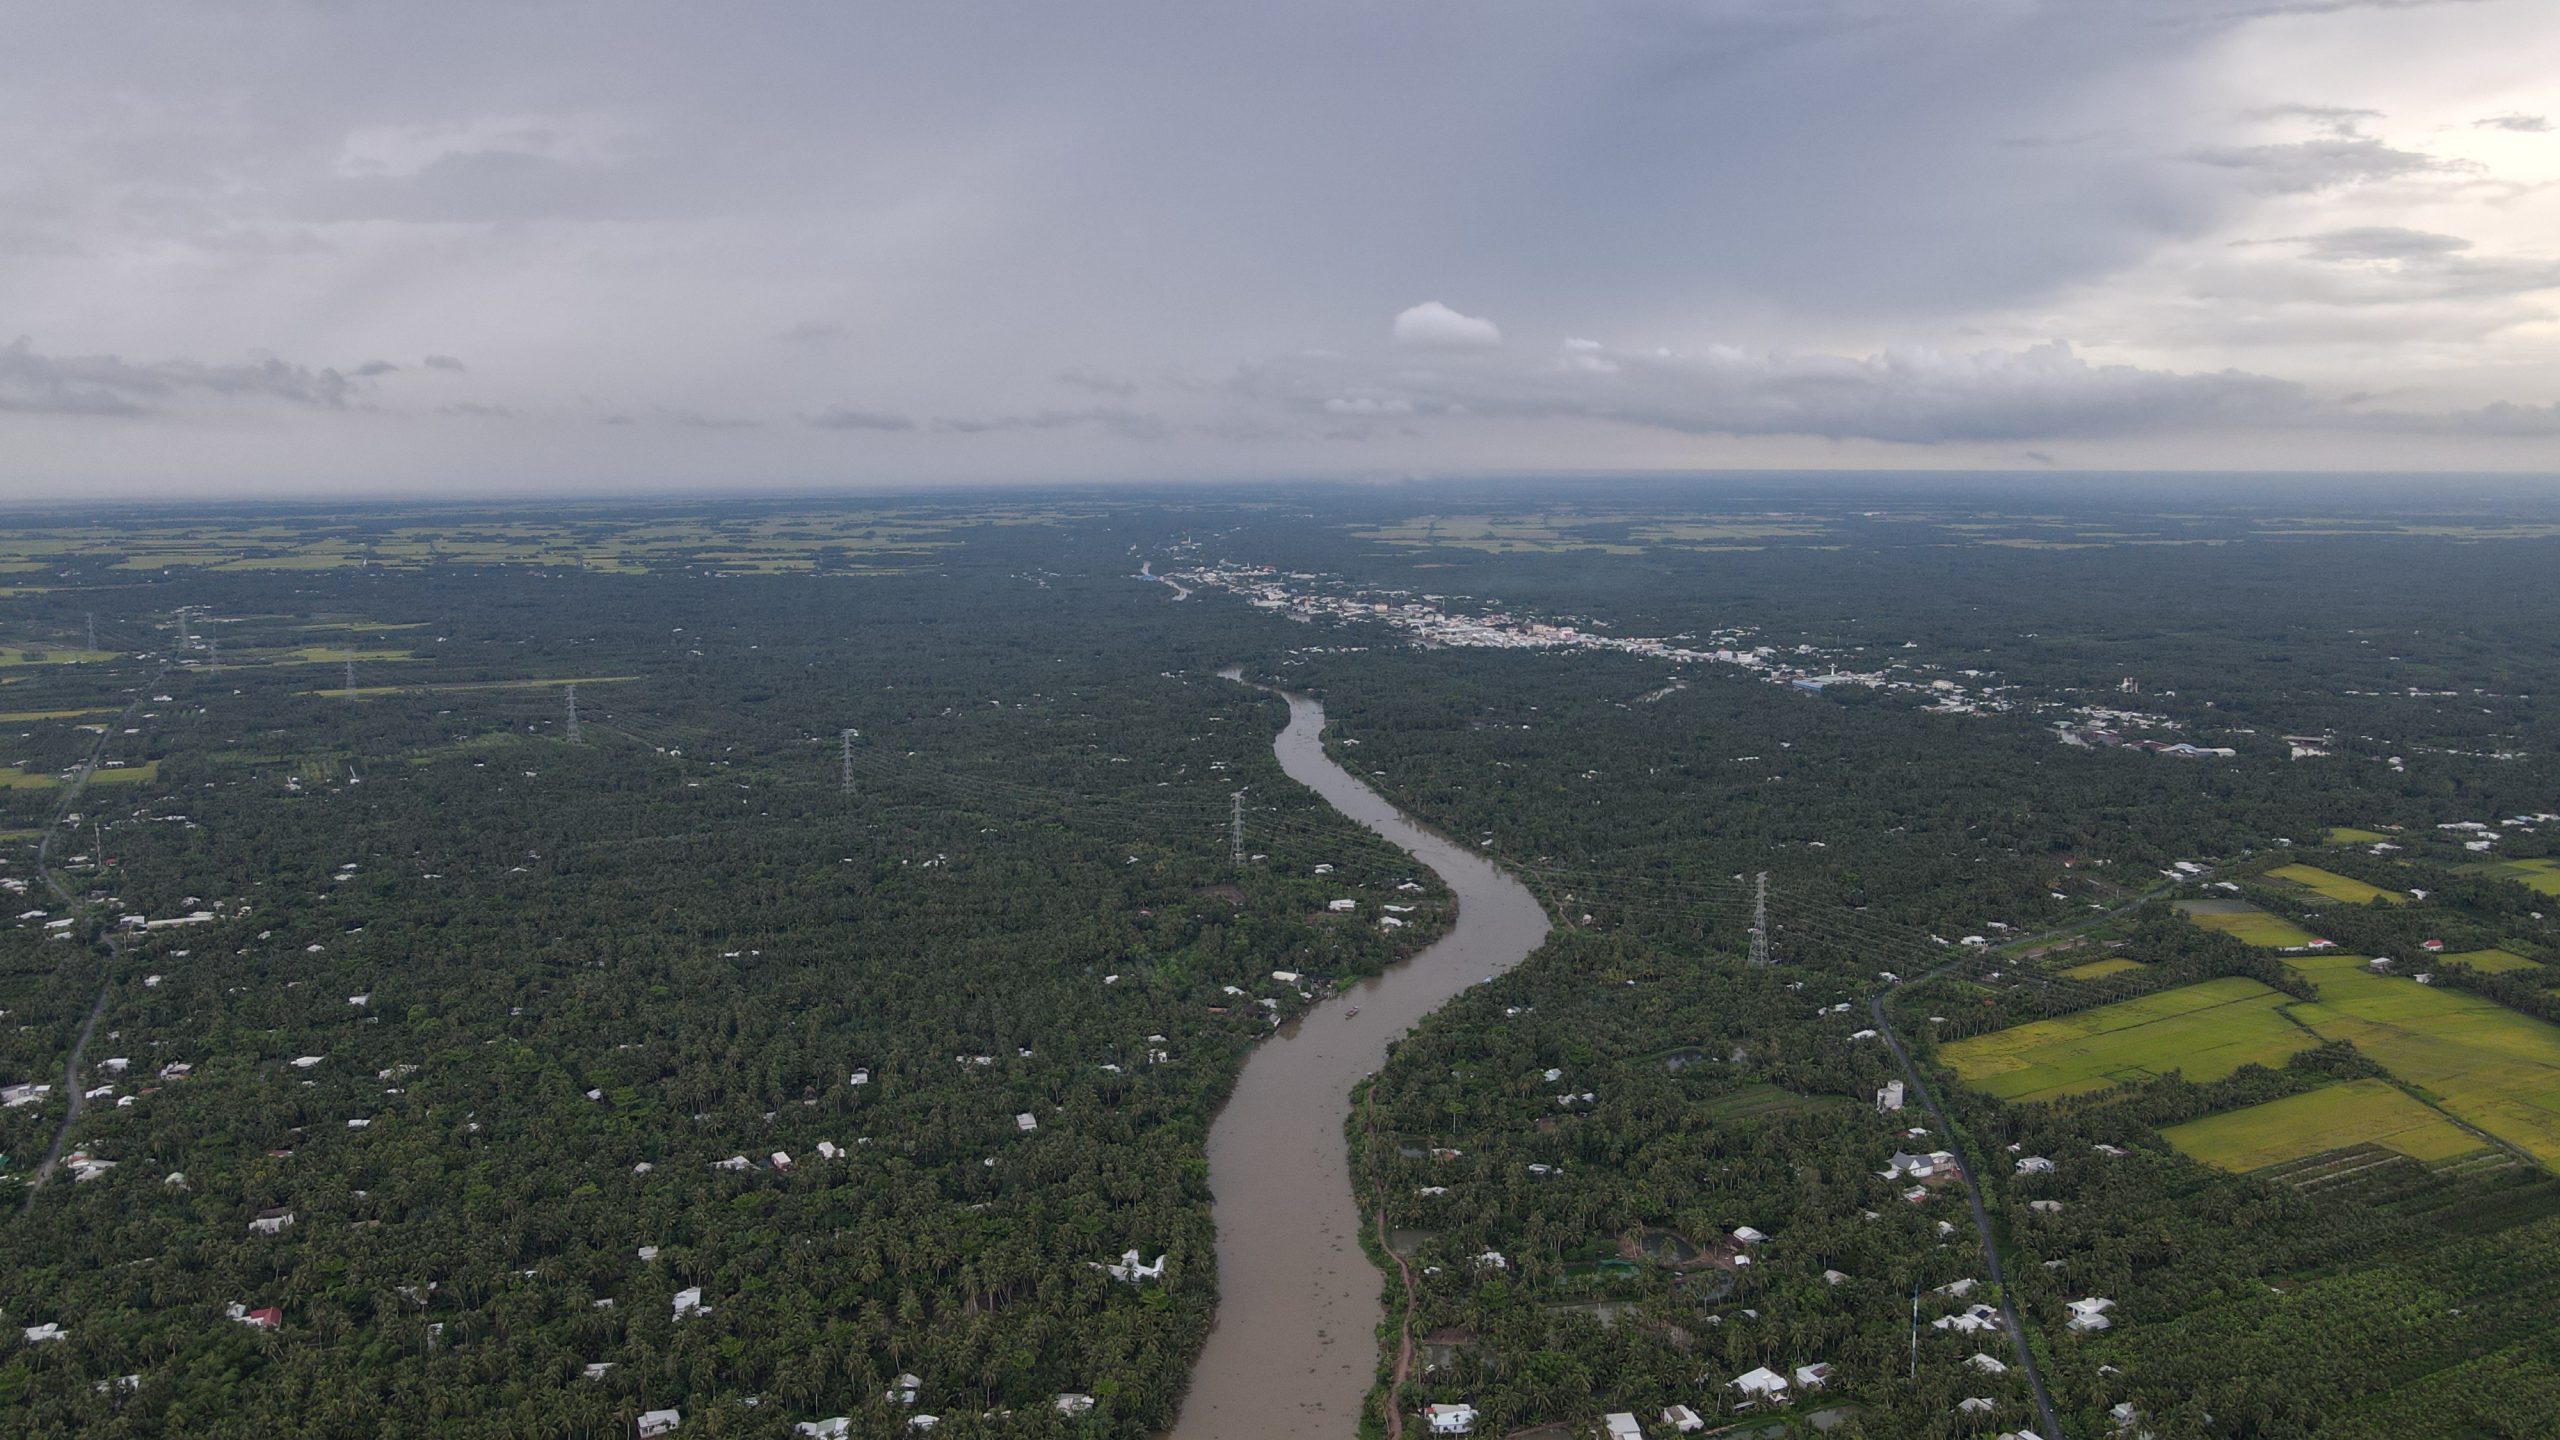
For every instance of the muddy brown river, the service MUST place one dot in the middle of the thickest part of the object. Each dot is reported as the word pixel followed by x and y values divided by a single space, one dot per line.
pixel 1294 1348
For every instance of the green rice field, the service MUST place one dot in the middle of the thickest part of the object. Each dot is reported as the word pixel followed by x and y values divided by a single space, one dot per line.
pixel 2335 886
pixel 2490 962
pixel 2334 1117
pixel 2247 924
pixel 2540 876
pixel 2101 969
pixel 2204 1031
pixel 2350 835
pixel 2484 1064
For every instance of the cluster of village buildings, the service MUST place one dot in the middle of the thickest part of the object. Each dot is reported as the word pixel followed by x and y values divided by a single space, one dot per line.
pixel 1440 620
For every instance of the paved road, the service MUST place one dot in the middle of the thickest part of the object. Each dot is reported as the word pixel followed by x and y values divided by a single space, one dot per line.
pixel 1981 1216
pixel 114 946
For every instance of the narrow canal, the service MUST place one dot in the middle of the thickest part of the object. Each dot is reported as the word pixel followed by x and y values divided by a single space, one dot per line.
pixel 1294 1349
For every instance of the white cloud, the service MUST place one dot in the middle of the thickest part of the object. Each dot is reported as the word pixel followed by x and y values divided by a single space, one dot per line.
pixel 1432 325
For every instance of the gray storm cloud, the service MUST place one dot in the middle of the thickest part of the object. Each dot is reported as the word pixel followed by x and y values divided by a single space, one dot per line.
pixel 108 385
pixel 1141 238
pixel 1909 396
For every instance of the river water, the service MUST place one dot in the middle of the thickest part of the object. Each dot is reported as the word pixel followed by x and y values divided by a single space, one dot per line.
pixel 1294 1349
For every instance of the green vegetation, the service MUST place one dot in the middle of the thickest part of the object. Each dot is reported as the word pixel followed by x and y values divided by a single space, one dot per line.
pixel 2493 962
pixel 24 655
pixel 2247 924
pixel 2203 1031
pixel 2484 1064
pixel 2360 1112
pixel 2335 886
pixel 2542 876
pixel 687 915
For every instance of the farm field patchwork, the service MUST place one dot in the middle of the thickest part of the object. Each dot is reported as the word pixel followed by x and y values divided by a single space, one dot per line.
pixel 2490 962
pixel 1497 534
pixel 20 655
pixel 2205 1031
pixel 2331 1118
pixel 2484 1064
pixel 2335 886
pixel 2247 923
pixel 844 542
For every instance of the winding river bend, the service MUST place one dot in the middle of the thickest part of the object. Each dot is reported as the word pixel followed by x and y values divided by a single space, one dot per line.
pixel 1294 1348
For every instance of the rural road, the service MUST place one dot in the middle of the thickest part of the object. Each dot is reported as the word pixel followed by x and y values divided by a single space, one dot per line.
pixel 113 944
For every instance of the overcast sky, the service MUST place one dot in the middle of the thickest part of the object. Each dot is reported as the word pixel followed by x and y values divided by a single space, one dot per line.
pixel 461 247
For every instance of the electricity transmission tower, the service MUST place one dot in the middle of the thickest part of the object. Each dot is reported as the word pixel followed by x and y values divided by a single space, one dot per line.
pixel 351 677
pixel 214 641
pixel 1760 921
pixel 571 692
pixel 1235 827
pixel 93 630
pixel 846 741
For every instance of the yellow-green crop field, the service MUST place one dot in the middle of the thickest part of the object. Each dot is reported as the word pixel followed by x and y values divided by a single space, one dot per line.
pixel 2205 1031
pixel 19 655
pixel 21 717
pixel 13 778
pixel 2484 1064
pixel 2336 887
pixel 2247 924
pixel 2540 876
pixel 2101 969
pixel 2350 835
pixel 2489 962
pixel 125 774
pixel 2360 1112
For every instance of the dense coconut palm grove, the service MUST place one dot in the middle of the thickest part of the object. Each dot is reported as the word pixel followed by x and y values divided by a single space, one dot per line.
pixel 516 974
